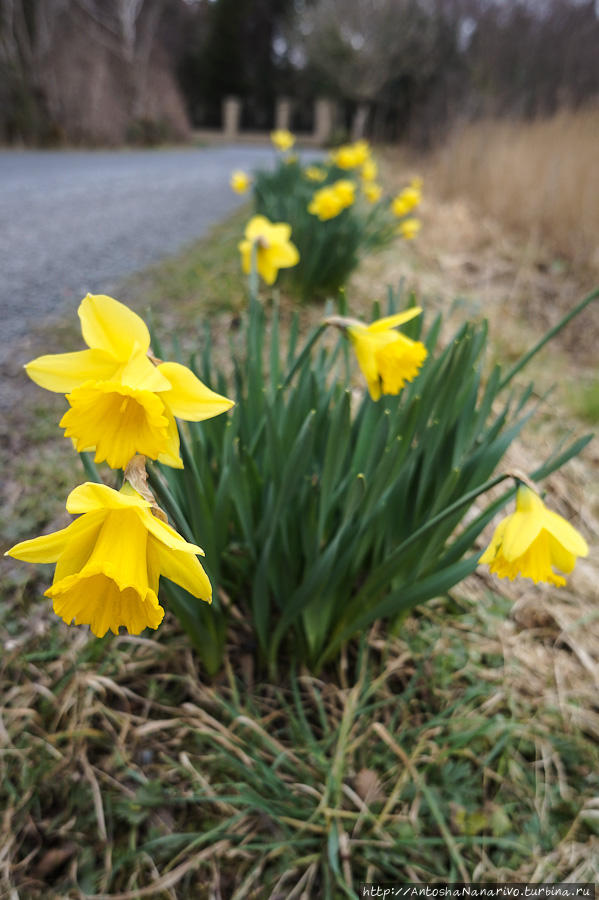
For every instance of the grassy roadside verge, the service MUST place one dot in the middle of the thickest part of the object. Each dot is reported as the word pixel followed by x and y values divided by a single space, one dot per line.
pixel 465 749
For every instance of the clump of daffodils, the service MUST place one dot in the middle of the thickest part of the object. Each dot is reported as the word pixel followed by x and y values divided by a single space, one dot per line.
pixel 122 405
pixel 337 210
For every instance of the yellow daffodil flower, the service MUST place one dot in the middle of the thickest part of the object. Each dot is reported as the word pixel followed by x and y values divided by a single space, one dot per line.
pixel 406 201
pixel 282 139
pixel 345 190
pixel 326 204
pixel 409 228
pixel 109 561
pixel 121 403
pixel 350 156
pixel 369 170
pixel 532 540
pixel 313 173
pixel 240 181
pixel 274 250
pixel 372 191
pixel 387 358
pixel 329 201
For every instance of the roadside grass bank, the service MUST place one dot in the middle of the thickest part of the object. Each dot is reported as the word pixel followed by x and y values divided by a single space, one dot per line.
pixel 463 748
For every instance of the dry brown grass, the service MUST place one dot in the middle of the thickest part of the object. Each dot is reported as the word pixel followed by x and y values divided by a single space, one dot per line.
pixel 539 178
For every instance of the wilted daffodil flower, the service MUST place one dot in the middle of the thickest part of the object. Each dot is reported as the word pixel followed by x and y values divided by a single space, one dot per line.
pixel 121 403
pixel 532 540
pixel 109 561
pixel 409 228
pixel 386 357
pixel 240 181
pixel 282 139
pixel 273 248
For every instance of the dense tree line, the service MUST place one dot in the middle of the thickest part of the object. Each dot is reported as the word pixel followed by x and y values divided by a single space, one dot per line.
pixel 114 70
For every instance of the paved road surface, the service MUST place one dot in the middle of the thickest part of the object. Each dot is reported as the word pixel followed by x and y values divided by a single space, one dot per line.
pixel 72 222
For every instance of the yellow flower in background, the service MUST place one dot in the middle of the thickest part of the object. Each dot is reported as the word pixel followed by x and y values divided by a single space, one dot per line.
pixel 409 228
pixel 372 192
pixel 110 559
pixel 329 201
pixel 120 402
pixel 274 249
pixel 406 201
pixel 240 181
pixel 350 156
pixel 369 170
pixel 291 159
pixel 282 139
pixel 532 540
pixel 326 204
pixel 387 358
pixel 314 173
pixel 345 190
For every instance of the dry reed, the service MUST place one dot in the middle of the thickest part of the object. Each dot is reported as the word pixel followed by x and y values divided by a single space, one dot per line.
pixel 540 178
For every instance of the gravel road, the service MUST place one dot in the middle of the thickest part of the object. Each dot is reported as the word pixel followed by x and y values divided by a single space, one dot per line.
pixel 72 222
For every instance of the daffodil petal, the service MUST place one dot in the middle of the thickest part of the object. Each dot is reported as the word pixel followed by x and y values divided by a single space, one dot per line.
pixel 245 248
pixel 142 375
pixel 62 372
pixel 284 255
pixel 394 320
pixel 365 350
pixel 185 570
pixel 256 227
pixel 561 558
pixel 109 325
pixel 44 549
pixel 167 536
pixel 520 531
pixel 170 455
pixel 91 496
pixel 82 538
pixel 496 542
pixel 188 398
pixel 566 534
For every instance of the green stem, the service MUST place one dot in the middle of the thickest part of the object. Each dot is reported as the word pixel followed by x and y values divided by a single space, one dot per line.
pixel 253 280
pixel 547 337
